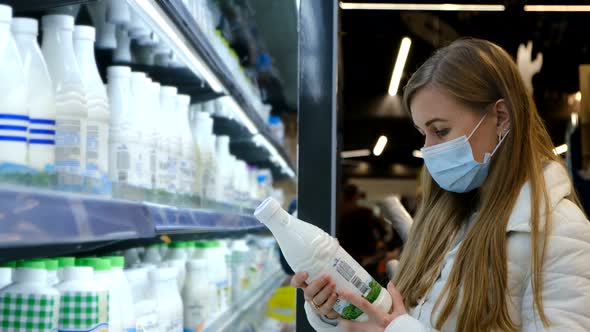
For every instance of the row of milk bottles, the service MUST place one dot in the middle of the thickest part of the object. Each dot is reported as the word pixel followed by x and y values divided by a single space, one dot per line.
pixel 55 109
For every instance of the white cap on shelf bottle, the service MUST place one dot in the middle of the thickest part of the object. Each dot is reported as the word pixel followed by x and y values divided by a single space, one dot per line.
pixel 71 107
pixel 14 110
pixel 41 101
pixel 309 249
pixel 97 133
pixel 105 31
pixel 117 12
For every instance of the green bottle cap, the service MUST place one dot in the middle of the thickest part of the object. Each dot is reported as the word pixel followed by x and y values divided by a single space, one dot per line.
pixel 51 264
pixel 214 244
pixel 200 244
pixel 9 264
pixel 64 262
pixel 98 264
pixel 178 244
pixel 31 264
pixel 116 261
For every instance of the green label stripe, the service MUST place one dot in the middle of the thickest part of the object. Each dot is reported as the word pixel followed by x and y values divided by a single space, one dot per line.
pixel 79 310
pixel 28 312
pixel 351 312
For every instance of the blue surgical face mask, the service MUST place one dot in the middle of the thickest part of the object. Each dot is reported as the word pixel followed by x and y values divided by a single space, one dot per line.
pixel 452 166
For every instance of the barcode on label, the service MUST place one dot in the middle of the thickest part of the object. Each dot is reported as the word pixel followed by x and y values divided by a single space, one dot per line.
pixel 345 270
pixel 359 284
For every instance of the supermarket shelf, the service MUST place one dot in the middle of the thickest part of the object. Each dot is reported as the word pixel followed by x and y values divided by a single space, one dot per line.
pixel 43 217
pixel 227 320
pixel 30 217
pixel 204 60
pixel 34 5
pixel 172 220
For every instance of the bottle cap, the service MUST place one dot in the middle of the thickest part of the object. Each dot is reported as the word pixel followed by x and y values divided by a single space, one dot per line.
pixel 183 100
pixel 98 264
pixel 168 90
pixel 51 264
pixel 25 25
pixel 5 13
pixel 84 32
pixel 31 264
pixel 9 264
pixel 64 262
pixel 267 209
pixel 116 261
pixel 65 22
pixel 118 71
pixel 178 244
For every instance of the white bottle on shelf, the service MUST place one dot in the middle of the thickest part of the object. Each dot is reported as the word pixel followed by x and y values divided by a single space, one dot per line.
pixel 154 135
pixel 71 107
pixel 14 110
pixel 108 308
pixel 177 257
pixel 168 150
pixel 187 160
pixel 196 296
pixel 133 131
pixel 30 285
pixel 41 101
pixel 97 127
pixel 123 51
pixel 5 276
pixel 200 135
pixel 152 254
pixel 117 12
pixel 105 31
pixel 212 162
pixel 119 91
pixel 79 282
pixel 309 249
pixel 239 268
pixel 224 174
pixel 121 294
pixel 166 294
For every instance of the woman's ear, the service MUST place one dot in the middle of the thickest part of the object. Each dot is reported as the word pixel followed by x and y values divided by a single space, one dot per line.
pixel 503 117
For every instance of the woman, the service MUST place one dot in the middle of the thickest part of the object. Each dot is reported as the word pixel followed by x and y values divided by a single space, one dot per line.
pixel 499 242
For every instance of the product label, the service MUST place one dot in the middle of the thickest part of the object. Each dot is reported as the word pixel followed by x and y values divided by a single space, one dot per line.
pixel 173 326
pixel 28 312
pixel 68 149
pixel 92 147
pixel 83 311
pixel 122 163
pixel 195 312
pixel 347 273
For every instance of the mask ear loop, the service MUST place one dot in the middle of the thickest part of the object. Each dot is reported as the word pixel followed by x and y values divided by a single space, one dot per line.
pixel 478 124
pixel 501 140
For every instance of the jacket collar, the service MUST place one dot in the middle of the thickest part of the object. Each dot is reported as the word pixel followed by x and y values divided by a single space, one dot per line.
pixel 558 187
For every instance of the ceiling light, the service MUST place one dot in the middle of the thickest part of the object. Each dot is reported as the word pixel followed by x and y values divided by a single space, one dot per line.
pixel 400 63
pixel 417 154
pixel 578 96
pixel 422 6
pixel 560 149
pixel 355 153
pixel 380 145
pixel 557 8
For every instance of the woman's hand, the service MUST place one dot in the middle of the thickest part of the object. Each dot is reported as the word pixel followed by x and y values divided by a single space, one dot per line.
pixel 378 319
pixel 320 293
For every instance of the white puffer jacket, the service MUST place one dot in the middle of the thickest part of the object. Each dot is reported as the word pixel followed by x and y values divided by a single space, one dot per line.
pixel 566 287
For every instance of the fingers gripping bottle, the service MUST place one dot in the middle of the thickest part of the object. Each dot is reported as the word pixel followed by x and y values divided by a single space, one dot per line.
pixel 309 249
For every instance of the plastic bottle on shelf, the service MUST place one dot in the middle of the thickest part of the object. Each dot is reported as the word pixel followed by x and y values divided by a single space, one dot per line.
pixel 122 53
pixel 121 294
pixel 165 291
pixel 177 257
pixel 204 250
pixel 78 284
pixel 14 111
pixel 144 305
pixel 6 271
pixel 117 12
pixel 187 161
pixel 200 138
pixel 131 257
pixel 71 107
pixel 196 296
pixel 108 308
pixel 212 163
pixel 62 264
pixel 309 249
pixel 120 138
pixel 97 127
pixel 217 255
pixel 152 254
pixel 239 265
pixel 29 293
pixel 146 313
pixel 105 31
pixel 224 174
pixel 152 134
pixel 277 129
pixel 169 146
pixel 41 101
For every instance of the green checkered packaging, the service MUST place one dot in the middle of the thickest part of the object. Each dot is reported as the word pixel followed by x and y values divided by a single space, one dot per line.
pixel 28 312
pixel 79 310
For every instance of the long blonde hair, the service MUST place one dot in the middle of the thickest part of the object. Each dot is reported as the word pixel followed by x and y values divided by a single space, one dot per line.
pixel 478 73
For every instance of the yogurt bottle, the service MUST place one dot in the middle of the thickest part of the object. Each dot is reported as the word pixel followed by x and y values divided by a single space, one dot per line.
pixel 309 249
